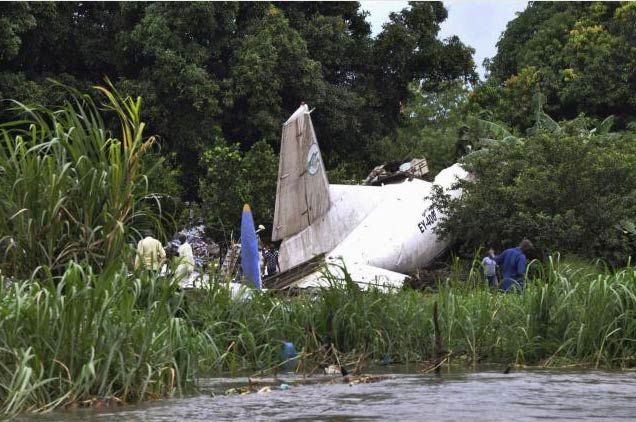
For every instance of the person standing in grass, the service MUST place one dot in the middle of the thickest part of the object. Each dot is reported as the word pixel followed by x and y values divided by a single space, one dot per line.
pixel 513 264
pixel 186 258
pixel 490 268
pixel 150 253
pixel 271 260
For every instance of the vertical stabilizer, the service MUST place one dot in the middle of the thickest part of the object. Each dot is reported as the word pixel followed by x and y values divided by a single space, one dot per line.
pixel 302 195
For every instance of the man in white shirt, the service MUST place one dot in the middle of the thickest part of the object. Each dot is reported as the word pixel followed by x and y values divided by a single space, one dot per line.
pixel 186 258
pixel 150 254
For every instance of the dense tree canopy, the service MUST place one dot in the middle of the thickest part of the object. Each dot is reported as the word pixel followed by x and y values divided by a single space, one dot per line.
pixel 580 55
pixel 214 72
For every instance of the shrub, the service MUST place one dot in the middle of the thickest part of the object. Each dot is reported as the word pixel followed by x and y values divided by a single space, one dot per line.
pixel 565 191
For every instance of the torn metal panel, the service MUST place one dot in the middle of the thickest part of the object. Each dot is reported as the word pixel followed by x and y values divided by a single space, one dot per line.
pixel 397 172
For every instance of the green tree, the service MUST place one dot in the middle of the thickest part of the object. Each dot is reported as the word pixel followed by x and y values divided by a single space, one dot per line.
pixel 566 188
pixel 14 20
pixel 271 74
pixel 433 123
pixel 408 49
pixel 579 55
pixel 234 178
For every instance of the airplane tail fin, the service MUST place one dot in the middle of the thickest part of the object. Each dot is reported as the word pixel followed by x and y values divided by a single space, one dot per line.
pixel 302 194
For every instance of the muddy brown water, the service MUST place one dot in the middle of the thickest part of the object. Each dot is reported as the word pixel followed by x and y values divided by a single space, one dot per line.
pixel 456 396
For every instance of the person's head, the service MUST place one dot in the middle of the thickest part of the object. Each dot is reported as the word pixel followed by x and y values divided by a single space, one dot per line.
pixel 182 238
pixel 147 233
pixel 526 246
pixel 491 252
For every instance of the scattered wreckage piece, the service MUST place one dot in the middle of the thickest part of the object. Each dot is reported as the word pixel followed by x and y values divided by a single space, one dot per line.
pixel 204 249
pixel 258 388
pixel 397 172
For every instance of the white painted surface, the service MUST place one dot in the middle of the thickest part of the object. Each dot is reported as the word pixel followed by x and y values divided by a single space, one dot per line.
pixel 380 233
pixel 350 205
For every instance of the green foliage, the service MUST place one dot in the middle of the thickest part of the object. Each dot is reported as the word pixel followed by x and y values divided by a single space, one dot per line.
pixel 579 55
pixel 432 128
pixel 270 63
pixel 565 189
pixel 88 336
pixel 408 49
pixel 166 173
pixel 234 71
pixel 125 337
pixel 15 19
pixel 73 190
pixel 234 178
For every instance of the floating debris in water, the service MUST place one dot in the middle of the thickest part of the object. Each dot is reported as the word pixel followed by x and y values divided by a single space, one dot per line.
pixel 332 370
pixel 365 379
pixel 254 387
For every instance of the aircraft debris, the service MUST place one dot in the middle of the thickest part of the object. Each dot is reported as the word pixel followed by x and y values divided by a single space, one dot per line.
pixel 378 232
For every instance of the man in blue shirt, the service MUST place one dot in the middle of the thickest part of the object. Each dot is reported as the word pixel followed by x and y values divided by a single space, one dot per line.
pixel 513 264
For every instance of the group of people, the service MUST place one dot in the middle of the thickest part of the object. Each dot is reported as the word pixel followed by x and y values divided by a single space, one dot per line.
pixel 151 255
pixel 512 263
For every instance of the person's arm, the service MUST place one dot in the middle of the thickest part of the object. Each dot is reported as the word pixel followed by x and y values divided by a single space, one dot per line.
pixel 162 254
pixel 521 266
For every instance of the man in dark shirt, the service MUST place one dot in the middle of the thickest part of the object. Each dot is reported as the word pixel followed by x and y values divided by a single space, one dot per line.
pixel 513 266
pixel 271 260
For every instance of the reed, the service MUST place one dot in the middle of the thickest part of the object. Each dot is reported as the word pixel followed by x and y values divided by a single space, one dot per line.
pixel 71 188
pixel 126 337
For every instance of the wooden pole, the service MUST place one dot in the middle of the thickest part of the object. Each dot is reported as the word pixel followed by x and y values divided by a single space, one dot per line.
pixel 438 341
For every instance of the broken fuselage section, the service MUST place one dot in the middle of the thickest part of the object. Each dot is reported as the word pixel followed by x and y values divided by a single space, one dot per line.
pixel 378 233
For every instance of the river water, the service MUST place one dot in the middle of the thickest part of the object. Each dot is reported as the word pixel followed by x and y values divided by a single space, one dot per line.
pixel 470 396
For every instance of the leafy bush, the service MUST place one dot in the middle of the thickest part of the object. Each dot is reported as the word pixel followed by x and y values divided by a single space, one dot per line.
pixel 566 190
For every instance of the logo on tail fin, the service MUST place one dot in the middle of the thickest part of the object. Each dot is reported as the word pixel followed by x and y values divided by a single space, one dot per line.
pixel 313 159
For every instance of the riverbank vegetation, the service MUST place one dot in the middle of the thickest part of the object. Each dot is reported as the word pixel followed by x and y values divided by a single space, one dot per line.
pixel 116 337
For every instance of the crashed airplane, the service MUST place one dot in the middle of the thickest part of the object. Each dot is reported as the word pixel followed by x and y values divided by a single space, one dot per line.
pixel 379 233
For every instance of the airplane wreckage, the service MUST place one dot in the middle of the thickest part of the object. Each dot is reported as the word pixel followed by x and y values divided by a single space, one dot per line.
pixel 379 232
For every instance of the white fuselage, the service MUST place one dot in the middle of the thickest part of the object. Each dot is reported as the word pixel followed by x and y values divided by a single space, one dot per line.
pixel 385 227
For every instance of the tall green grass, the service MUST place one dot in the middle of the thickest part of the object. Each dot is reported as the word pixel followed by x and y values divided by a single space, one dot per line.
pixel 89 335
pixel 136 337
pixel 71 188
